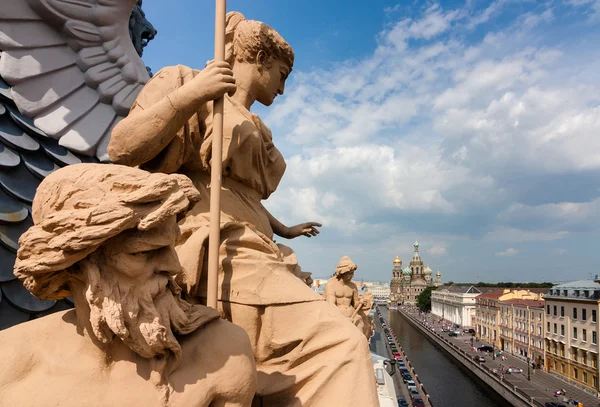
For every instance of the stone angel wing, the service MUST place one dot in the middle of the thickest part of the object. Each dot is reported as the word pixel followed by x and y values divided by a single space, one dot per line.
pixel 75 77
pixel 72 67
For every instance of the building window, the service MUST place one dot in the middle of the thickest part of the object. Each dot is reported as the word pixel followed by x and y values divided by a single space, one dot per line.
pixel 574 333
pixel 584 360
pixel 574 313
pixel 539 330
pixel 593 315
pixel 594 338
pixel 583 314
pixel 548 327
pixel 548 309
pixel 595 381
pixel 562 311
pixel 562 330
pixel 576 373
pixel 562 367
pixel 584 335
pixel 555 310
pixel 555 329
pixel 585 376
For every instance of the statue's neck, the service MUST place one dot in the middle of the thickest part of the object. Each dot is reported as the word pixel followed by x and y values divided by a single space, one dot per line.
pixel 243 97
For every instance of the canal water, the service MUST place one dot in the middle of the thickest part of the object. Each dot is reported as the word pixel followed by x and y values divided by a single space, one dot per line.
pixel 448 383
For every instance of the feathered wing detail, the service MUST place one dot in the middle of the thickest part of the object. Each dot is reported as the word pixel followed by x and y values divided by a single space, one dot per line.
pixel 72 66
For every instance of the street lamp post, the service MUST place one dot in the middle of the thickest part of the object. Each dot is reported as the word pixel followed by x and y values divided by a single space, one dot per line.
pixel 528 369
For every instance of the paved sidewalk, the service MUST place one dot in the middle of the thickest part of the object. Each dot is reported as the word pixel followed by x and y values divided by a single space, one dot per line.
pixel 541 386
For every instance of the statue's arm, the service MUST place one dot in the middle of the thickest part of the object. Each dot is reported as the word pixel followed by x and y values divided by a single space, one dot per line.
pixel 354 297
pixel 307 229
pixel 147 130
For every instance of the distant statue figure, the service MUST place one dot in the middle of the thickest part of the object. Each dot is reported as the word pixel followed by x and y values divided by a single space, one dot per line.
pixel 105 235
pixel 343 293
pixel 303 348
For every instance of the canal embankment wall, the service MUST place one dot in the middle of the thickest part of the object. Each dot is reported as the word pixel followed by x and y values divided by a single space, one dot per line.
pixel 506 390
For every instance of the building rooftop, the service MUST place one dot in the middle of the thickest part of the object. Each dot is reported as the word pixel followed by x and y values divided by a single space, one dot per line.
pixel 589 284
pixel 525 303
pixel 459 289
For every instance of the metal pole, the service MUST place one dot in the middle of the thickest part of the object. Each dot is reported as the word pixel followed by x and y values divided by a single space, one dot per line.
pixel 528 369
pixel 214 239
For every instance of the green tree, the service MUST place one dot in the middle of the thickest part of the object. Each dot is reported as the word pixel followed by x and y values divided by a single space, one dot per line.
pixel 424 299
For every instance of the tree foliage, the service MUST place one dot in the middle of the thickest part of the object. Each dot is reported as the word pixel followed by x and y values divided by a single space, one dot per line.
pixel 424 299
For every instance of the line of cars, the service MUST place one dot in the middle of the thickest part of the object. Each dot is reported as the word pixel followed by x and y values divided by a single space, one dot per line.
pixel 417 401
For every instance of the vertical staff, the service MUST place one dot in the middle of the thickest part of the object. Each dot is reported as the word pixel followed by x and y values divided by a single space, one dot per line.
pixel 214 240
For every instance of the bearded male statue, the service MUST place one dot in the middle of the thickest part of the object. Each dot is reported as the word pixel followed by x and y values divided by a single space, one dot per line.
pixel 105 235
pixel 343 293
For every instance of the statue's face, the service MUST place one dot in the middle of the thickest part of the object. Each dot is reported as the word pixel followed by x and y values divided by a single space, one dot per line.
pixel 347 277
pixel 272 81
pixel 137 256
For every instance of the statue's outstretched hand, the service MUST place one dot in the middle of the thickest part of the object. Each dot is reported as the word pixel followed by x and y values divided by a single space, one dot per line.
pixel 215 80
pixel 308 229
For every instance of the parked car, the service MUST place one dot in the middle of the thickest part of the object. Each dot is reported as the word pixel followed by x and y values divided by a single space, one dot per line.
pixel 480 359
pixel 402 402
pixel 411 385
pixel 406 377
pixel 513 369
pixel 418 402
pixel 485 348
pixel 414 394
pixel 452 334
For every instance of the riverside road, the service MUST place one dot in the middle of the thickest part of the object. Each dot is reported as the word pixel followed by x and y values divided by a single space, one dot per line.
pixel 541 386
pixel 448 383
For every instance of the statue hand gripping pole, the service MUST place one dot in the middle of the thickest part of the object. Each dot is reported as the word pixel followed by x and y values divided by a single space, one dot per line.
pixel 216 171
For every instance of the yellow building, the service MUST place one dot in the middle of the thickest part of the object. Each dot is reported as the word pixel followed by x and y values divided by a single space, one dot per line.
pixel 488 307
pixel 522 329
pixel 572 331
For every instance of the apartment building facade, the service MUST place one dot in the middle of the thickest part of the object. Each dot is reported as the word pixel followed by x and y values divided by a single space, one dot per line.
pixel 572 331
pixel 487 311
pixel 522 329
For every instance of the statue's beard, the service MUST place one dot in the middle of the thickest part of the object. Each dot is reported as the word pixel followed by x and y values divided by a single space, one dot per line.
pixel 146 318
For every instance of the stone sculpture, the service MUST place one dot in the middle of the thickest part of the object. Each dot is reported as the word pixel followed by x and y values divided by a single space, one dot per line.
pixel 105 235
pixel 27 154
pixel 343 293
pixel 306 353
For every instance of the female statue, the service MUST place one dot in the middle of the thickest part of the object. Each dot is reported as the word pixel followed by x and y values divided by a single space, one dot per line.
pixel 306 352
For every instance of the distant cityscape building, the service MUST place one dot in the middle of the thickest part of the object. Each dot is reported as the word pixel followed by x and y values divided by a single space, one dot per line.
pixel 381 292
pixel 522 328
pixel 406 284
pixel 455 303
pixel 571 329
pixel 488 311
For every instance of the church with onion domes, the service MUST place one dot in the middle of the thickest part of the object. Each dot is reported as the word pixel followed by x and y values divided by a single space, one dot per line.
pixel 408 282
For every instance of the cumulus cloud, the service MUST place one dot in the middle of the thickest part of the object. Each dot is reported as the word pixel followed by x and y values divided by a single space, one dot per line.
pixel 511 251
pixel 453 126
pixel 437 250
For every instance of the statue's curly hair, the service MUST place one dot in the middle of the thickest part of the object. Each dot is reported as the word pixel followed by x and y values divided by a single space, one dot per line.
pixel 245 38
pixel 79 207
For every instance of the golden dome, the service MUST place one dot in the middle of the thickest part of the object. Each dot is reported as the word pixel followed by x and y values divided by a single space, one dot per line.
pixel 397 260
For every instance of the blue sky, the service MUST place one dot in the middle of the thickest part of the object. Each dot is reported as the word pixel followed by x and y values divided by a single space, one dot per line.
pixel 472 125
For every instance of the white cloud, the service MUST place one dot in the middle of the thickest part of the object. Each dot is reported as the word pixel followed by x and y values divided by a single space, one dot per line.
pixel 511 251
pixel 506 234
pixel 437 250
pixel 559 252
pixel 448 128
